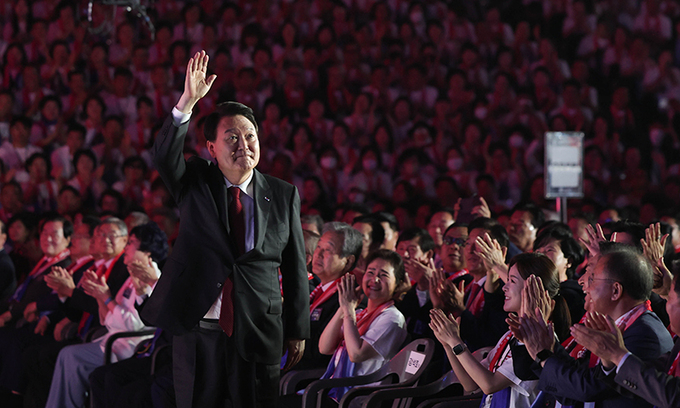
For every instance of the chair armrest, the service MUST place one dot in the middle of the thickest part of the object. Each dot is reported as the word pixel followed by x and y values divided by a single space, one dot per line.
pixel 95 333
pixel 316 389
pixel 108 347
pixel 154 356
pixel 291 379
pixel 371 389
pixel 466 401
pixel 376 398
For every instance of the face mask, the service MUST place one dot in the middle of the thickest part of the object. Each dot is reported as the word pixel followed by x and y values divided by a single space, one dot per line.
pixel 370 164
pixel 480 112
pixel 328 162
pixel 455 163
pixel 516 141
pixel 656 137
pixel 416 17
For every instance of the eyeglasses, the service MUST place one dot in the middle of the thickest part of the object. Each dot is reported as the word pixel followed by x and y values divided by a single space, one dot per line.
pixel 591 280
pixel 110 237
pixel 461 242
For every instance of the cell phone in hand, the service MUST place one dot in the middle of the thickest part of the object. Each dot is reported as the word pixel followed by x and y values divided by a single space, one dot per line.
pixel 465 215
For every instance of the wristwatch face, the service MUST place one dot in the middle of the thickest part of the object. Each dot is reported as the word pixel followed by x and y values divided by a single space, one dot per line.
pixel 543 355
pixel 459 349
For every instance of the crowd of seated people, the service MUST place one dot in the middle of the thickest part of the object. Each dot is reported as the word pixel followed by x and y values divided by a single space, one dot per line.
pixel 383 114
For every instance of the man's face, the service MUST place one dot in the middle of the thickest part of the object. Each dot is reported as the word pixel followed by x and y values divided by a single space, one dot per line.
pixel 391 236
pixel 80 240
pixel 599 289
pixel 473 261
pixel 236 147
pixel 327 263
pixel 438 224
pixel 451 253
pixel 366 231
pixel 52 240
pixel 522 232
pixel 111 240
pixel 410 249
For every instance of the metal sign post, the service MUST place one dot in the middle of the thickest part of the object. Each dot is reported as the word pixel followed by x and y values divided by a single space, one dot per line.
pixel 563 168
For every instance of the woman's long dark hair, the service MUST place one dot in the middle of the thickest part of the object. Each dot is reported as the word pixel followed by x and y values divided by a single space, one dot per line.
pixel 540 265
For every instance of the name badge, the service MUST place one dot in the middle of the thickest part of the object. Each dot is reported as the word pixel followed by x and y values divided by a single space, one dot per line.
pixel 316 314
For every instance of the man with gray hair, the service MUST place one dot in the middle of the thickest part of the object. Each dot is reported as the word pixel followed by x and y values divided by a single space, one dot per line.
pixel 335 255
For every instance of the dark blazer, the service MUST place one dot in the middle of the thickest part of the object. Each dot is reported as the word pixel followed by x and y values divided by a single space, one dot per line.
pixel 81 302
pixel 203 256
pixel 486 329
pixel 8 276
pixel 650 380
pixel 571 380
pixel 318 321
pixel 52 302
pixel 36 290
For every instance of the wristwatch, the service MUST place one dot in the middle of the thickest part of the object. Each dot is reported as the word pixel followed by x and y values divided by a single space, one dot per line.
pixel 542 356
pixel 459 349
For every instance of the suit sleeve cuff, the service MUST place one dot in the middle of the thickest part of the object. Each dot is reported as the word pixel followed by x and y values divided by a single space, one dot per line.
pixel 623 360
pixel 179 118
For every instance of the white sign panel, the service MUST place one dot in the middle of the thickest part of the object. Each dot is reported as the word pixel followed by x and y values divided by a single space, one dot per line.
pixel 415 360
pixel 563 164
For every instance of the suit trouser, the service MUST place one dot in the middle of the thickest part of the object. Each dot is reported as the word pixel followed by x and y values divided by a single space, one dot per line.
pixel 208 371
pixel 70 382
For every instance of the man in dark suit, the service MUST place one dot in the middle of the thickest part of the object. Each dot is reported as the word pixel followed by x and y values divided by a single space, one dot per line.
pixel 81 310
pixel 335 255
pixel 657 382
pixel 8 276
pixel 19 329
pixel 618 287
pixel 219 293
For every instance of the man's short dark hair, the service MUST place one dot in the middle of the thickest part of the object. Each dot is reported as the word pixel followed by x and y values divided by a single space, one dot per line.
pixel 84 152
pixel 537 216
pixel 384 216
pixel 425 241
pixel 24 120
pixel 226 109
pixel 632 270
pixel 54 217
pixel 72 189
pixel 313 219
pixel 92 223
pixel 152 239
pixel 495 230
pixel 560 233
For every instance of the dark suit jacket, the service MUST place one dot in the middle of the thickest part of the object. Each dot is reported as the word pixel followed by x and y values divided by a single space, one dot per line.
pixel 203 256
pixel 571 380
pixel 486 329
pixel 318 322
pixel 8 276
pixel 650 380
pixel 52 302
pixel 35 291
pixel 81 302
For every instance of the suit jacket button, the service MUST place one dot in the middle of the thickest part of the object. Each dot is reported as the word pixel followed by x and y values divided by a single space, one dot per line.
pixel 219 285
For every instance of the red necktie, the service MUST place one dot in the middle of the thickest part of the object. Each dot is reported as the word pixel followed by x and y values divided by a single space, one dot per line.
pixel 237 225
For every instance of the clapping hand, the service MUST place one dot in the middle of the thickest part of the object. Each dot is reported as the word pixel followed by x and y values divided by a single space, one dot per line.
pixel 349 294
pixel 493 255
pixel 601 336
pixel 445 328
pixel 96 286
pixel 595 236
pixel 60 281
pixel 445 295
pixel 653 247
pixel 535 333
